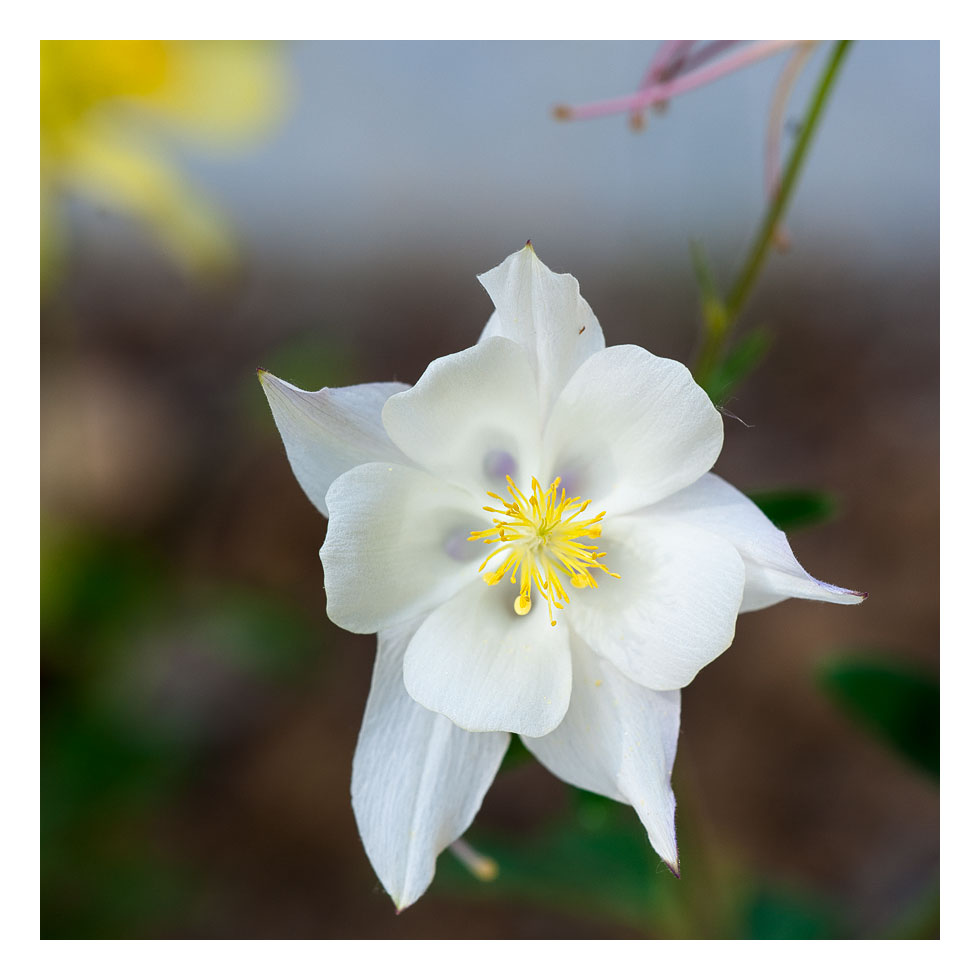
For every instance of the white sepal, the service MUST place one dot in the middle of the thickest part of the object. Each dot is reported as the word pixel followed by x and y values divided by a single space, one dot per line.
pixel 772 572
pixel 418 779
pixel 618 739
pixel 330 431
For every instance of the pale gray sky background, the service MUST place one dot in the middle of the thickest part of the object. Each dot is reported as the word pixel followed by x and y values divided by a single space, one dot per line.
pixel 395 148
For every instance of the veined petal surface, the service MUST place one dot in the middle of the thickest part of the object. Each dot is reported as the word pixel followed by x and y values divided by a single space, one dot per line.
pixel 418 779
pixel 772 572
pixel 330 431
pixel 488 669
pixel 395 545
pixel 672 611
pixel 472 419
pixel 618 739
pixel 544 312
pixel 630 428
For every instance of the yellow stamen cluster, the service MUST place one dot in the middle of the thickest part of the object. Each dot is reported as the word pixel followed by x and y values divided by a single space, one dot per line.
pixel 540 538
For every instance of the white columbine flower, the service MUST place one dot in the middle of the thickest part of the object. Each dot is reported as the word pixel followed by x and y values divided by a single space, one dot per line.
pixel 533 533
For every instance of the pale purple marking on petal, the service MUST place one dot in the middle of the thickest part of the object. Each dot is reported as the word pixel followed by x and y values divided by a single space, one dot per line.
pixel 458 546
pixel 498 464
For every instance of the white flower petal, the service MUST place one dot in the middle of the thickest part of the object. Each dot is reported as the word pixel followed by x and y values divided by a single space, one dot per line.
pixel 472 418
pixel 618 739
pixel 631 428
pixel 488 669
pixel 418 779
pixel 772 572
pixel 330 431
pixel 674 608
pixel 393 547
pixel 542 311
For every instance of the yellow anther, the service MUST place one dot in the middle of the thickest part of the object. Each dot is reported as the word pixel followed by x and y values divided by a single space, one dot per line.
pixel 539 539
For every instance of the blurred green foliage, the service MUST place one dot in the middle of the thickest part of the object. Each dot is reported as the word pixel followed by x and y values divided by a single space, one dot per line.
pixel 712 303
pixel 718 372
pixel 898 703
pixel 921 920
pixel 102 876
pixel 773 913
pixel 745 356
pixel 88 584
pixel 516 755
pixel 594 860
pixel 311 362
pixel 792 509
pixel 142 671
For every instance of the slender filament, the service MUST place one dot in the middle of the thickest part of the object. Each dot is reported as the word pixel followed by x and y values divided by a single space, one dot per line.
pixel 540 541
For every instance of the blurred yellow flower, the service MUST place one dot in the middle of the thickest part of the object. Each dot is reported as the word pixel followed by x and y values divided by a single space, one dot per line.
pixel 106 109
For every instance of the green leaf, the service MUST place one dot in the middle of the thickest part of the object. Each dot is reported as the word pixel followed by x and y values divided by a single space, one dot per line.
pixel 89 584
pixel 900 704
pixel 777 914
pixel 92 766
pixel 595 860
pixel 735 368
pixel 254 632
pixel 791 509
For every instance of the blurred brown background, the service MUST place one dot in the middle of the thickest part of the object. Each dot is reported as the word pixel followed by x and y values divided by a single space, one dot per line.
pixel 199 711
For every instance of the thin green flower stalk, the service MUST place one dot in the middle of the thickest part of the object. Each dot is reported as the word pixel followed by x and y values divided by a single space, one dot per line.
pixel 720 318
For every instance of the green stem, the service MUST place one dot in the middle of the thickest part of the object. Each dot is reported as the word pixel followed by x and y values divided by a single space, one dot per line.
pixel 764 236
pixel 754 261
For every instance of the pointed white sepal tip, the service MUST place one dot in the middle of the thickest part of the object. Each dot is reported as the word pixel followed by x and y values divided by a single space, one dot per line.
pixel 406 898
pixel 842 596
pixel 666 849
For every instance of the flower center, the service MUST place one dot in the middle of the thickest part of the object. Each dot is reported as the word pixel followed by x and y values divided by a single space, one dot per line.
pixel 540 538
